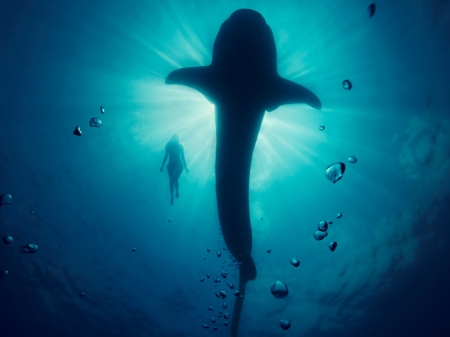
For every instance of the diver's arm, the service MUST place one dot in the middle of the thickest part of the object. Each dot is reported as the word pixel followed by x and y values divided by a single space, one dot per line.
pixel 183 160
pixel 164 161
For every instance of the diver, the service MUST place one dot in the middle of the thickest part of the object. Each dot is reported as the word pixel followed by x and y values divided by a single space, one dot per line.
pixel 175 151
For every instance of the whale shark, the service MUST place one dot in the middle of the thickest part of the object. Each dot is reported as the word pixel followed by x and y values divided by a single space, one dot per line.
pixel 242 82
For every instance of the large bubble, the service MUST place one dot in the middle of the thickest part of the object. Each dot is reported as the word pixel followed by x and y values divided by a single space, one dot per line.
pixel 279 289
pixel 335 172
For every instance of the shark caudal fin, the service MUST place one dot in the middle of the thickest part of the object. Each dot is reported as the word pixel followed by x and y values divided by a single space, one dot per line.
pixel 283 91
pixel 247 272
pixel 198 78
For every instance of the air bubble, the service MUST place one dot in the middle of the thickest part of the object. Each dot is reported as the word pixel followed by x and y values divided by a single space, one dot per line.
pixel 295 262
pixel 352 159
pixel 335 171
pixel 320 235
pixel 285 324
pixel 5 199
pixel 323 226
pixel 77 131
pixel 347 85
pixel 95 122
pixel 7 240
pixel 322 127
pixel 371 10
pixel 279 289
pixel 333 246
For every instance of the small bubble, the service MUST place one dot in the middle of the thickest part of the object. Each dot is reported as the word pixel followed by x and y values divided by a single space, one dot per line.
pixel 330 222
pixel 279 289
pixel 216 280
pixel 269 250
pixel 55 161
pixel 295 262
pixel 320 235
pixel 224 306
pixel 102 109
pixel 224 274
pixel 170 220
pixel 226 316
pixel 3 273
pixel 347 85
pixel 335 172
pixel 231 285
pixel 95 122
pixel 210 308
pixel 202 279
pixel 219 254
pixel 322 127
pixel 339 215
pixel 5 199
pixel 371 10
pixel 81 295
pixel 207 275
pixel 206 326
pixel 29 248
pixel 208 250
pixel 215 328
pixel 323 226
pixel 223 294
pixel 7 240
pixel 213 320
pixel 225 323
pixel 285 324
pixel 352 159
pixel 236 293
pixel 333 246
pixel 77 131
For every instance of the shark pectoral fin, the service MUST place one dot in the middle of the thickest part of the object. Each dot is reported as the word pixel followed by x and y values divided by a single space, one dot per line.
pixel 198 78
pixel 287 92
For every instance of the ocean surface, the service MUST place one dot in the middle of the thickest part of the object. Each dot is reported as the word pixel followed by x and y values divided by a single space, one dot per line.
pixel 88 201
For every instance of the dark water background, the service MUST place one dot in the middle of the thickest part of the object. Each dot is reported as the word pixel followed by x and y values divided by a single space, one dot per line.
pixel 389 276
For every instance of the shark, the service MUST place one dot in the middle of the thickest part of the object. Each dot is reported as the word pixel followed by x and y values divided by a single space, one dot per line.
pixel 242 82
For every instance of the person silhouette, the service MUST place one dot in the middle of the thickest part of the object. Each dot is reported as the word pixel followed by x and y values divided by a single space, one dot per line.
pixel 175 152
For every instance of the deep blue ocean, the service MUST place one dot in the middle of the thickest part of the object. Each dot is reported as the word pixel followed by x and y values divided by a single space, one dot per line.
pixel 89 201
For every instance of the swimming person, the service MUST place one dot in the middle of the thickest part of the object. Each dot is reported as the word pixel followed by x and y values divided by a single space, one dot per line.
pixel 175 151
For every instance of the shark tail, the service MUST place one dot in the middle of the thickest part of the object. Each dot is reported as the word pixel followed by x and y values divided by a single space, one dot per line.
pixel 244 274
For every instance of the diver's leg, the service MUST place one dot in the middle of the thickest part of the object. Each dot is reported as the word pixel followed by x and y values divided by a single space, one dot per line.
pixel 177 176
pixel 171 178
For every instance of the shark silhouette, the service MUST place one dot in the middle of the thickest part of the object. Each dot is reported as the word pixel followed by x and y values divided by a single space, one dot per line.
pixel 242 82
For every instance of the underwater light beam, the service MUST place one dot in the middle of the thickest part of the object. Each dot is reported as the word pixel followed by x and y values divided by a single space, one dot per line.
pixel 242 81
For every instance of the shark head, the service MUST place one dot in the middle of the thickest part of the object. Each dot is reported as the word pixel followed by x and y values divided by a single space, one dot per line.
pixel 242 82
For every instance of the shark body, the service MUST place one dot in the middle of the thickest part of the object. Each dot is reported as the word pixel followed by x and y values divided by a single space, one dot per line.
pixel 242 82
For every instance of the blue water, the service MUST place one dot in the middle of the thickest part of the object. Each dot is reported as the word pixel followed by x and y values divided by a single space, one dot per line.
pixel 104 195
